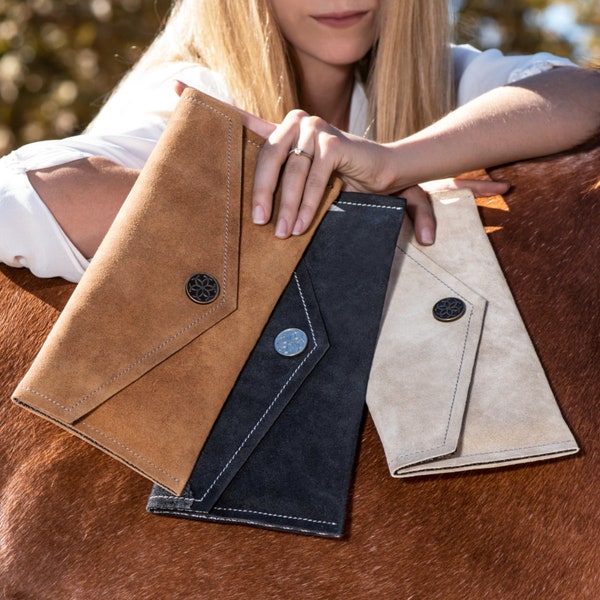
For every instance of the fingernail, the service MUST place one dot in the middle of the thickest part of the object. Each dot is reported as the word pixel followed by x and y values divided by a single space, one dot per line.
pixel 298 227
pixel 258 215
pixel 281 231
pixel 427 236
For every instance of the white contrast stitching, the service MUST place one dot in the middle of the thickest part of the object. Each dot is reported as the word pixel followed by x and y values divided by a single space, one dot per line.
pixel 275 399
pixel 243 510
pixel 222 519
pixel 369 205
pixel 249 141
pixel 266 514
pixel 523 448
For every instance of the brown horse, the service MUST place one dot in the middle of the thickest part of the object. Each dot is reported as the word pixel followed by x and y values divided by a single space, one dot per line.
pixel 73 523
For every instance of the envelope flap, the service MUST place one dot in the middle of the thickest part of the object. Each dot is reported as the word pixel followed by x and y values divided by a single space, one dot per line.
pixel 129 313
pixel 422 367
pixel 290 347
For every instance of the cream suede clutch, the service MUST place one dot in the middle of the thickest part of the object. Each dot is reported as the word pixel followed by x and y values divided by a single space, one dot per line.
pixel 466 391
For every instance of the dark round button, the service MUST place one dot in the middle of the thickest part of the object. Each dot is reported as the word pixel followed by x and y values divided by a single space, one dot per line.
pixel 449 309
pixel 291 342
pixel 202 288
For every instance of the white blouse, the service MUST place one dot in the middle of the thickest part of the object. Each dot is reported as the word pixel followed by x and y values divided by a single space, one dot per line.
pixel 128 127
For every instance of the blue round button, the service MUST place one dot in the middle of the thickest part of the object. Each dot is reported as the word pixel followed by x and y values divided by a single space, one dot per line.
pixel 291 342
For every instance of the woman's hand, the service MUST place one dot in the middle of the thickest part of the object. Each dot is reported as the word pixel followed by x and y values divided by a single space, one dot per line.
pixel 363 166
pixel 516 117
pixel 323 149
pixel 304 175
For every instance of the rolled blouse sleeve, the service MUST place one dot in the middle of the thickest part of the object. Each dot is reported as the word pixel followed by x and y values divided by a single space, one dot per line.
pixel 477 72
pixel 125 131
pixel 29 235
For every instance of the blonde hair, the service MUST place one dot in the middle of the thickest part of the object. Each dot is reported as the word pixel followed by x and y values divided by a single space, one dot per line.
pixel 407 74
pixel 410 81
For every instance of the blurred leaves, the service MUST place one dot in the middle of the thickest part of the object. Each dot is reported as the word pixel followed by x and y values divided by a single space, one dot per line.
pixel 60 58
pixel 568 28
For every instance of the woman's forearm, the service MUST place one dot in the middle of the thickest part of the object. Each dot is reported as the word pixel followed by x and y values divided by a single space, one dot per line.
pixel 541 115
pixel 84 196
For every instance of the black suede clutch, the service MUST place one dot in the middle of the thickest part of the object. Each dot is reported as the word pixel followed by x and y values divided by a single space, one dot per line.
pixel 281 452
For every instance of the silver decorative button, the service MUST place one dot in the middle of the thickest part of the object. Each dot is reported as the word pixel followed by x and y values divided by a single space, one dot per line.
pixel 449 309
pixel 291 342
pixel 202 288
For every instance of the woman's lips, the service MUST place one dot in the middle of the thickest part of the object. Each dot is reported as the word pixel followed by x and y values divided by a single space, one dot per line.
pixel 339 20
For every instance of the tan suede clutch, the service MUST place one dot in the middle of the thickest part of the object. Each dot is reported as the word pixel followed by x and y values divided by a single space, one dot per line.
pixel 153 338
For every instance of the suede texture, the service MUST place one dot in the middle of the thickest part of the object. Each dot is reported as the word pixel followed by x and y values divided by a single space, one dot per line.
pixel 132 364
pixel 282 451
pixel 467 394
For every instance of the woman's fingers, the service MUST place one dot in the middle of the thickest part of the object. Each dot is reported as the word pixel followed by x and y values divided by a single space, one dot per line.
pixel 179 87
pixel 482 187
pixel 421 212
pixel 271 160
pixel 301 154
pixel 295 174
pixel 256 124
pixel 294 155
pixel 305 175
pixel 314 189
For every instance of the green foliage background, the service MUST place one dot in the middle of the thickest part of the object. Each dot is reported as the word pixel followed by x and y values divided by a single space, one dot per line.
pixel 60 58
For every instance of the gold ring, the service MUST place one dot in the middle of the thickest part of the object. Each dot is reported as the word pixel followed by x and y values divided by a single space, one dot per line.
pixel 299 152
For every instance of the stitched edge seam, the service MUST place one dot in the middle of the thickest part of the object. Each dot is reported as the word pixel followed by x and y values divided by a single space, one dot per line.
pixel 195 321
pixel 460 365
pixel 266 514
pixel 242 510
pixel 223 519
pixel 420 468
pixel 106 449
pixel 277 396
pixel 348 203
